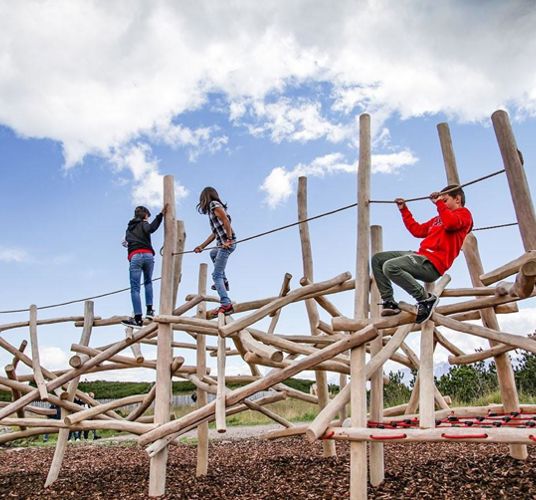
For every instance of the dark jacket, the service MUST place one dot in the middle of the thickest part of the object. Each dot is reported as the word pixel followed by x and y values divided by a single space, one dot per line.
pixel 139 232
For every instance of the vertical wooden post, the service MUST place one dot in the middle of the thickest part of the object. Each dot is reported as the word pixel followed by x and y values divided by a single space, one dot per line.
pixel 63 434
pixel 505 372
pixel 377 472
pixel 12 375
pixel 177 263
pixel 36 363
pixel 221 425
pixel 358 402
pixel 157 472
pixel 426 374
pixel 310 304
pixel 202 429
pixel 517 179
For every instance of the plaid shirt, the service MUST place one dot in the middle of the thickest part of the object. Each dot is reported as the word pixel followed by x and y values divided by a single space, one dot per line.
pixel 216 224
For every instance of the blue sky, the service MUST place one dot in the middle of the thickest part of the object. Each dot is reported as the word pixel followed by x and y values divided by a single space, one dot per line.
pixel 100 99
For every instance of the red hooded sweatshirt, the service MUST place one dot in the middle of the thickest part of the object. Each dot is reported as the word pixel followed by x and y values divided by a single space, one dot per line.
pixel 443 235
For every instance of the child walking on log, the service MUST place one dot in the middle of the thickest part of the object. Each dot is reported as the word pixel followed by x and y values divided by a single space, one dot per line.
pixel 141 258
pixel 443 239
pixel 220 224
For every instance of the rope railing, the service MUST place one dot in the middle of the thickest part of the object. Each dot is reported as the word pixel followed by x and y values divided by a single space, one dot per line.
pixel 277 229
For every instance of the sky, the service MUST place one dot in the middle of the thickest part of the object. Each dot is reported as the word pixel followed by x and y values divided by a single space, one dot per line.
pixel 101 99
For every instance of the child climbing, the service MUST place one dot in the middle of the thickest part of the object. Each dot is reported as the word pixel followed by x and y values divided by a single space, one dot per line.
pixel 141 258
pixel 443 239
pixel 220 224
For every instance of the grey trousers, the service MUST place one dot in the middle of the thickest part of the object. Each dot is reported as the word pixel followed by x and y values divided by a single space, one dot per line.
pixel 404 269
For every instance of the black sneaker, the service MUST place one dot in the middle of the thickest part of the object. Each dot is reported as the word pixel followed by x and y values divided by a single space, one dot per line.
pixel 132 323
pixel 425 308
pixel 389 308
pixel 225 283
pixel 151 313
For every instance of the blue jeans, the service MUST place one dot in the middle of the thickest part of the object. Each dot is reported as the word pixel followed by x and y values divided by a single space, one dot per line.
pixel 219 256
pixel 141 263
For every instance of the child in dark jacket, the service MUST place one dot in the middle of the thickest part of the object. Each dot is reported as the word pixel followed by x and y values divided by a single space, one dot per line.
pixel 141 258
pixel 443 239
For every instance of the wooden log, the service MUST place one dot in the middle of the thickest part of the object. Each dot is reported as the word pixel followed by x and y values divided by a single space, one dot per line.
pixel 136 350
pixel 468 292
pixel 467 359
pixel 321 422
pixel 173 429
pixel 449 346
pixel 517 341
pixel 525 280
pixel 279 302
pixel 504 368
pixel 221 425
pixel 454 435
pixel 201 360
pixel 63 436
pixel 358 399
pixel 90 352
pixel 36 410
pixel 426 375
pixel 36 364
pixel 508 269
pixel 256 347
pixel 342 323
pixel 180 244
pixel 49 321
pixel 11 374
pixel 294 393
pixel 377 471
pixel 146 402
pixel 326 366
pixel 97 410
pixel 285 288
pixel 157 470
pixel 517 179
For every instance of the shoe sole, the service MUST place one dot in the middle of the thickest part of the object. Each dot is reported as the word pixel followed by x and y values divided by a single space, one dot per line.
pixel 132 326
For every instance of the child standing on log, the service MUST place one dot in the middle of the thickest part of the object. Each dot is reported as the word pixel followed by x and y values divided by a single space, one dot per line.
pixel 220 224
pixel 141 258
pixel 443 239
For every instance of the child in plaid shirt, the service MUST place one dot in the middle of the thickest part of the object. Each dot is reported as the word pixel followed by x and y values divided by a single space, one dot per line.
pixel 222 232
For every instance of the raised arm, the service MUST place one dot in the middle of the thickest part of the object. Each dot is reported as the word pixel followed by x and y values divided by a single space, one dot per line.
pixel 416 229
pixel 453 220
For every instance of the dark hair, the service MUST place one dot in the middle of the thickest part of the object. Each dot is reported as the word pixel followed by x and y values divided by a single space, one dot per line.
pixel 207 195
pixel 456 190
pixel 140 212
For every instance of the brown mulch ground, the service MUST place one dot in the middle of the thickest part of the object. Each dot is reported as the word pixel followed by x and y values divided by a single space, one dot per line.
pixel 285 469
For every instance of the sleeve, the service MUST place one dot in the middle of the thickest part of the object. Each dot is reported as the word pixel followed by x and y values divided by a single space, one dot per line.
pixel 153 226
pixel 416 229
pixel 214 204
pixel 454 220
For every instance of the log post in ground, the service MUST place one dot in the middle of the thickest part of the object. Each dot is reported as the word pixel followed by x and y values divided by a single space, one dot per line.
pixel 505 373
pixel 517 179
pixel 310 304
pixel 377 471
pixel 358 400
pixel 63 434
pixel 202 399
pixel 157 473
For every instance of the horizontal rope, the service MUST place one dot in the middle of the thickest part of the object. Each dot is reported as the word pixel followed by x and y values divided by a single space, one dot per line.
pixel 265 233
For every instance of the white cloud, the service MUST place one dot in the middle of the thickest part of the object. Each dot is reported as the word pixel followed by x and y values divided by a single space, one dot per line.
pixel 279 184
pixel 290 120
pixel 99 76
pixel 53 358
pixel 148 183
pixel 12 254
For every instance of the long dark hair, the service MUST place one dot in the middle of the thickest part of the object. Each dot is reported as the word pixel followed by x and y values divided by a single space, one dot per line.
pixel 207 195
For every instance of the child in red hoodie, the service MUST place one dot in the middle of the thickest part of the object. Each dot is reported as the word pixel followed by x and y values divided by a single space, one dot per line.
pixel 443 239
